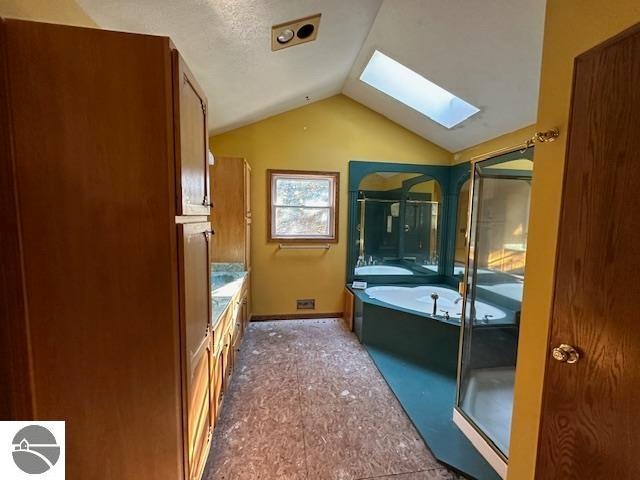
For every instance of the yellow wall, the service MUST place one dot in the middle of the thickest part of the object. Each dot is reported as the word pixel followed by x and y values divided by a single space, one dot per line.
pixel 572 26
pixel 53 11
pixel 507 140
pixel 380 183
pixel 321 136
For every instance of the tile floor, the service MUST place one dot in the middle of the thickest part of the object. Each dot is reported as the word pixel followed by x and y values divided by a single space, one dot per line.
pixel 307 403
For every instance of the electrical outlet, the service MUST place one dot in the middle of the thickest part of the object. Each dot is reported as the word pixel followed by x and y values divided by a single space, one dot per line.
pixel 306 304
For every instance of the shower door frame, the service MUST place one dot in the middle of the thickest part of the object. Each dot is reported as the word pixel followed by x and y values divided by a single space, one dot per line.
pixel 487 447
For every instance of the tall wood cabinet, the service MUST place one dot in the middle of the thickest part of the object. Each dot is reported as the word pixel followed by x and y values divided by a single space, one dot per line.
pixel 231 217
pixel 104 204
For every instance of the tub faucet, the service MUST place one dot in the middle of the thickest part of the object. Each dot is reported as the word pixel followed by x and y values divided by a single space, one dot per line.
pixel 434 297
pixel 457 300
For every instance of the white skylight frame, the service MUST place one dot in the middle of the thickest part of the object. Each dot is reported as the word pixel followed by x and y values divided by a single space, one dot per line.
pixel 412 89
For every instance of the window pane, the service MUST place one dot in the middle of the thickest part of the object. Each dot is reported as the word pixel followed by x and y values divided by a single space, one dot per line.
pixel 309 192
pixel 302 222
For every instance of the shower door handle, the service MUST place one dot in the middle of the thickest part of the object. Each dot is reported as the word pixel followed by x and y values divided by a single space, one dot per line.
pixel 566 354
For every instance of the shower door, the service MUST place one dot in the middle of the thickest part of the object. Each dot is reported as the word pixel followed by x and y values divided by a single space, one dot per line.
pixel 494 280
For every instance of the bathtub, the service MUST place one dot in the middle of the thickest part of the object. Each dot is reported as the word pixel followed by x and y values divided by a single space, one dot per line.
pixel 418 299
pixel 382 270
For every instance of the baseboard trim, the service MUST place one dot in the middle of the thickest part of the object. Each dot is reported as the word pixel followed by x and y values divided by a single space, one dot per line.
pixel 295 316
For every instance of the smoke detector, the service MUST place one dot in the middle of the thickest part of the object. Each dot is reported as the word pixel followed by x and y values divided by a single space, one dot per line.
pixel 295 32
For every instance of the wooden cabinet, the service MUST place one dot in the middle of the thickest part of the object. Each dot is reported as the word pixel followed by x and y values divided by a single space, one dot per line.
pixel 191 142
pixel 193 250
pixel 348 309
pixel 231 219
pixel 228 334
pixel 105 289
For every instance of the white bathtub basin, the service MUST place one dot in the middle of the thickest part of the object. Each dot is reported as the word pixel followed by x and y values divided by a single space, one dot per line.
pixel 419 300
pixel 509 290
pixel 382 270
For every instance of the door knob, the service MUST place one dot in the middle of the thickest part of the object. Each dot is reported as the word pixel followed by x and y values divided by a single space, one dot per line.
pixel 565 353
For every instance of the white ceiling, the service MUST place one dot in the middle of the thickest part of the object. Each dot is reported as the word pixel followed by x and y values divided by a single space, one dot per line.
pixel 486 52
pixel 227 45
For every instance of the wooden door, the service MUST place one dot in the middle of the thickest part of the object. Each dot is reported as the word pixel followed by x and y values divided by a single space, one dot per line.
pixel 191 142
pixel 591 412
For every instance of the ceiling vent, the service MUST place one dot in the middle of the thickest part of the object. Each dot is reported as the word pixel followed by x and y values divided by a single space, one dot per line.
pixel 295 32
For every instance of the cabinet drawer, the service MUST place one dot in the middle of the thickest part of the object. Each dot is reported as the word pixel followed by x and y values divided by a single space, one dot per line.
pixel 191 142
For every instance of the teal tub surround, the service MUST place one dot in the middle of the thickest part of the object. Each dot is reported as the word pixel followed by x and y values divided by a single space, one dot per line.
pixel 449 179
pixel 417 354
pixel 226 280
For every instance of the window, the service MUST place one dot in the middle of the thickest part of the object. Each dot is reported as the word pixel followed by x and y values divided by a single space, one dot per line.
pixel 303 206
pixel 415 91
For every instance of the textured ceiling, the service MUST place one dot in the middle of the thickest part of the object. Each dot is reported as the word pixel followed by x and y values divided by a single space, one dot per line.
pixel 227 45
pixel 486 52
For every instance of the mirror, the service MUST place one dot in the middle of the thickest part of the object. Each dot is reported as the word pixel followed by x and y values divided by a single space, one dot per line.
pixel 460 252
pixel 398 219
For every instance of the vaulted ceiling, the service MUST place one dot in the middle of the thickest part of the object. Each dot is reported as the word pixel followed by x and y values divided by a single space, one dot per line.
pixel 486 52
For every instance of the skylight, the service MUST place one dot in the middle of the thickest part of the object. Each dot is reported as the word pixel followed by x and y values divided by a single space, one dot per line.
pixel 415 91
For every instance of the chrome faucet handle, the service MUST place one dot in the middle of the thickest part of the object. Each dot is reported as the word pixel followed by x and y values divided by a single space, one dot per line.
pixel 434 297
pixel 446 314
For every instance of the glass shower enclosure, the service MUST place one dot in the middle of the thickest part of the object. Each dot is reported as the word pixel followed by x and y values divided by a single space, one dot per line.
pixel 494 274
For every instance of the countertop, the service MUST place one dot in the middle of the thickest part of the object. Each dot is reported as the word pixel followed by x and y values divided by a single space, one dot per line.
pixel 226 281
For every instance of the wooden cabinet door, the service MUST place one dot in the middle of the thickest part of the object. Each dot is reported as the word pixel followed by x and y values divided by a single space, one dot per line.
pixel 227 351
pixel 247 244
pixel 199 411
pixel 191 142
pixel 217 384
pixel 348 309
pixel 248 219
pixel 195 287
pixel 247 189
pixel 244 313
pixel 195 300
